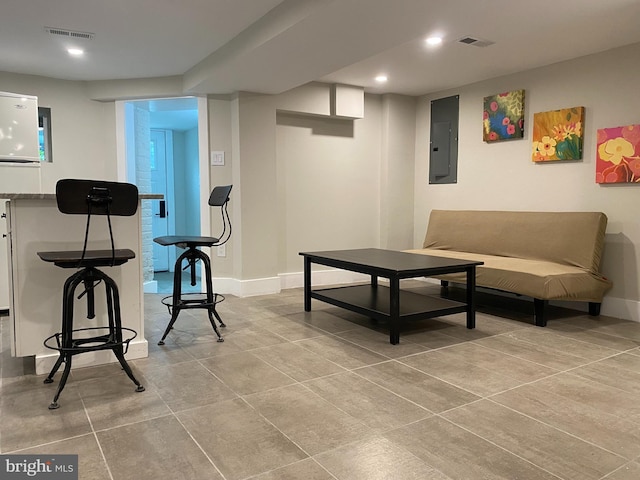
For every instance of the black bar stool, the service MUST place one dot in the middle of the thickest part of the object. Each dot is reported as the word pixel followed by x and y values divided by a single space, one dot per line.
pixel 91 197
pixel 178 301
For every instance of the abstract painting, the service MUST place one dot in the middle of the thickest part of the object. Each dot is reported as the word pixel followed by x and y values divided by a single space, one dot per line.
pixel 557 135
pixel 618 155
pixel 503 116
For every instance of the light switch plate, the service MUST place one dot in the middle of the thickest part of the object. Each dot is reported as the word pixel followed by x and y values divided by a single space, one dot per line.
pixel 217 158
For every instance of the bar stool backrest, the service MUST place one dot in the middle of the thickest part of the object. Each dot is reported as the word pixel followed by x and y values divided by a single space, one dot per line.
pixel 220 195
pixel 96 197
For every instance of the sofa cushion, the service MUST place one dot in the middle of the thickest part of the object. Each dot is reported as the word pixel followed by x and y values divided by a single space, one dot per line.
pixel 531 277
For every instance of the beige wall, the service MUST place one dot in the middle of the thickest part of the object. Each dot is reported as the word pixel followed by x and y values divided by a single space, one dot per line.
pixel 307 182
pixel 501 176
pixel 83 130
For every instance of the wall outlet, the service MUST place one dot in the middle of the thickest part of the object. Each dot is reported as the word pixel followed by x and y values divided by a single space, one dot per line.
pixel 222 250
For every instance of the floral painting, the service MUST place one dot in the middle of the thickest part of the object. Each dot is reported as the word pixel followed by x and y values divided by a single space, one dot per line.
pixel 618 155
pixel 503 116
pixel 557 135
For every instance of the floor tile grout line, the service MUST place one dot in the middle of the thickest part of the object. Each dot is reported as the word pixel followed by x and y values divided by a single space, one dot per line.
pixel 199 446
pixel 524 414
pixel 609 475
pixel 95 435
pixel 499 446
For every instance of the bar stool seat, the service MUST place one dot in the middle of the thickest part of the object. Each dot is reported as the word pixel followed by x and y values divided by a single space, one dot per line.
pixel 192 255
pixel 91 198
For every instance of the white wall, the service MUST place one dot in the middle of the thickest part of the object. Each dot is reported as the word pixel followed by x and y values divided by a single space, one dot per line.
pixel 328 179
pixel 307 181
pixel 501 176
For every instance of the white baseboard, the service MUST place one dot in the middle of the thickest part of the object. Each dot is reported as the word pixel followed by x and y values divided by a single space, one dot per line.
pixel 322 277
pixel 137 349
pixel 247 288
pixel 611 306
pixel 271 285
pixel 621 308
pixel 150 286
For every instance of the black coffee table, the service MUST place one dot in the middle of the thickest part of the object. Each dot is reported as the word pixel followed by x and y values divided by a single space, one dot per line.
pixel 390 303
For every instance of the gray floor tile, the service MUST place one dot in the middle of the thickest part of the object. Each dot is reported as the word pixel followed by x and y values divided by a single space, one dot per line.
pixel 91 463
pixel 188 385
pixel 630 471
pixel 537 352
pixel 562 343
pixel 332 320
pixel 376 459
pixel 461 455
pixel 311 422
pixel 594 394
pixel 297 362
pixel 292 327
pixel 160 355
pixel 327 383
pixel 551 449
pixel 306 469
pixel 378 341
pixel 153 449
pixel 239 441
pixel 416 386
pixel 26 420
pixel 620 372
pixel 599 427
pixel 594 336
pixel 454 368
pixel 113 401
pixel 244 373
pixel 376 407
pixel 344 353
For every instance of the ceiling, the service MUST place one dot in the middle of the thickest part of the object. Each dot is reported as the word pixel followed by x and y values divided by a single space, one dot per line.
pixel 270 46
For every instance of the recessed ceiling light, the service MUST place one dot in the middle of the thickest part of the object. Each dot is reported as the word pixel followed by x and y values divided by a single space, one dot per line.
pixel 434 40
pixel 381 78
pixel 76 52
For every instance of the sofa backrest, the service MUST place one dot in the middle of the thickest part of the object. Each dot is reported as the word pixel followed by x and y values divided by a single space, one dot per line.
pixel 571 238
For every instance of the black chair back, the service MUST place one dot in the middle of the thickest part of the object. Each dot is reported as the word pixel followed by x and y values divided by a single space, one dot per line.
pixel 220 195
pixel 96 197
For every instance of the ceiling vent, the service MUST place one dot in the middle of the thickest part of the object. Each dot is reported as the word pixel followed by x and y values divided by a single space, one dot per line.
pixel 476 42
pixel 62 32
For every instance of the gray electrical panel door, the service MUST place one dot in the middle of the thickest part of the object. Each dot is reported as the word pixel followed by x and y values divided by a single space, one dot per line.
pixel 443 144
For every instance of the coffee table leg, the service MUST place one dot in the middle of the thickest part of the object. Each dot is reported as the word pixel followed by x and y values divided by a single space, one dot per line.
pixel 394 311
pixel 307 284
pixel 471 297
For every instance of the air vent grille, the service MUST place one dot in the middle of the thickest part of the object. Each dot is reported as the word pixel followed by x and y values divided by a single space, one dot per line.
pixel 476 42
pixel 69 33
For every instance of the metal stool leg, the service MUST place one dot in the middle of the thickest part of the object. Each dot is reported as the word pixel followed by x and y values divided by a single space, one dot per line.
pixel 191 256
pixel 63 380
pixel 176 296
pixel 115 327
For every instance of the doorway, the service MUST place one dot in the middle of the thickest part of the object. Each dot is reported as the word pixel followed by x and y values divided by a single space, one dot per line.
pixel 163 156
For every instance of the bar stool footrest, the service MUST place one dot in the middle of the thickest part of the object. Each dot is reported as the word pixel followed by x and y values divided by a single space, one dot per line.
pixel 192 303
pixel 90 344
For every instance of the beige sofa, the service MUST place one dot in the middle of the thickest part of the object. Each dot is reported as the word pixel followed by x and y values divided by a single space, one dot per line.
pixel 543 255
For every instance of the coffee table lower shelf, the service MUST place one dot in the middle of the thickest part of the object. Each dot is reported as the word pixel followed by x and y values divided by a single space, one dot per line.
pixel 374 301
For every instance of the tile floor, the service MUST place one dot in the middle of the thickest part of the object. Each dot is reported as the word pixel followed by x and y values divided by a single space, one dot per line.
pixel 322 395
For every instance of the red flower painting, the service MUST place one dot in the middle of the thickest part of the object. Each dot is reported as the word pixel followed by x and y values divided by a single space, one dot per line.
pixel 618 155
